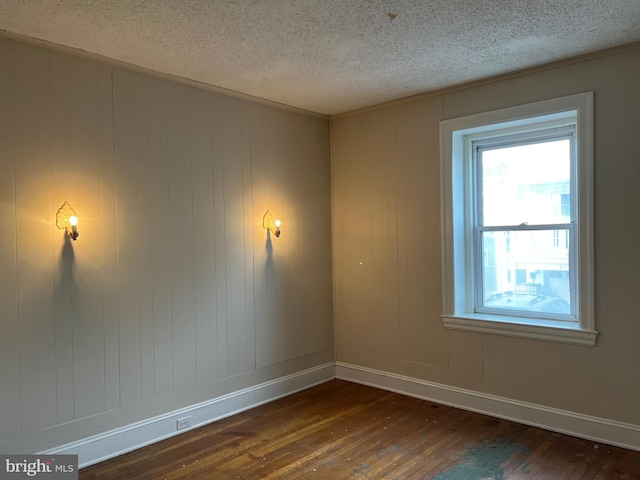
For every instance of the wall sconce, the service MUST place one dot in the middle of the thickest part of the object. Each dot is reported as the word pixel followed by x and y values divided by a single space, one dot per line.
pixel 67 219
pixel 269 222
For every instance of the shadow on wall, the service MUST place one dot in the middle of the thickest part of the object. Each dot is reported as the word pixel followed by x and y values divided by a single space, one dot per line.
pixel 268 246
pixel 64 286
pixel 278 328
pixel 293 300
pixel 82 334
pixel 67 256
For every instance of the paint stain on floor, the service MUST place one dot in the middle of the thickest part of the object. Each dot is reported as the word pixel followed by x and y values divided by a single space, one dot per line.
pixel 483 461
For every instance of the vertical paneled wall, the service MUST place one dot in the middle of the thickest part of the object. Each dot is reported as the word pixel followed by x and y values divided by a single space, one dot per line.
pixel 387 255
pixel 173 292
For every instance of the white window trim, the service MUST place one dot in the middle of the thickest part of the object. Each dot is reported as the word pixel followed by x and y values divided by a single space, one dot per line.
pixel 455 276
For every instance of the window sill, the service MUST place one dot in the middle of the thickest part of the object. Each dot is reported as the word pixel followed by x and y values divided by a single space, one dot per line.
pixel 515 327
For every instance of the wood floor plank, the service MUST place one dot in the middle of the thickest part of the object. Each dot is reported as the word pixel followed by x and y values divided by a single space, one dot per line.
pixel 343 430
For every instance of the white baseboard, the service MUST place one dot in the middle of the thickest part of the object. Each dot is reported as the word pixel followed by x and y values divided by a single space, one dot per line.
pixel 584 426
pixel 110 444
pixel 115 442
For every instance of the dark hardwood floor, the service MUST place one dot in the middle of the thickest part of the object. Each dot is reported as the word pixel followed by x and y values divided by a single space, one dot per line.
pixel 344 430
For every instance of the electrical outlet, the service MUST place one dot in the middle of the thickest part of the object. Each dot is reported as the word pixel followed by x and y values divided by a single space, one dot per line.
pixel 183 423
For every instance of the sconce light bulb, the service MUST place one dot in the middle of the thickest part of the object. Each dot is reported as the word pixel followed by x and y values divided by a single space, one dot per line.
pixel 277 222
pixel 73 221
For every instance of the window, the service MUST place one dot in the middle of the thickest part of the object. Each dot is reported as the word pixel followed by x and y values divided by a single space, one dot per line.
pixel 517 221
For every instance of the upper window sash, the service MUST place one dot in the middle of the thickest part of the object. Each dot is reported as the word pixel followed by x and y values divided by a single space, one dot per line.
pixel 545 133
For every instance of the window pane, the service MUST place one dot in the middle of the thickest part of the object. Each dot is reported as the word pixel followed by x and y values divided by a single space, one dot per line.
pixel 526 270
pixel 527 184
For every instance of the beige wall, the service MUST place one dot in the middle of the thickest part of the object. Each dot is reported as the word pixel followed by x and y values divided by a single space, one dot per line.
pixel 172 294
pixel 387 258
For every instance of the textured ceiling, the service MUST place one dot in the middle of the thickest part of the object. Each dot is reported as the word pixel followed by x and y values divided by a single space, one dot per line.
pixel 328 56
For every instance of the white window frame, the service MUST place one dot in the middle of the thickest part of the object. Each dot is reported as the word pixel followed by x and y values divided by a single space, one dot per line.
pixel 457 204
